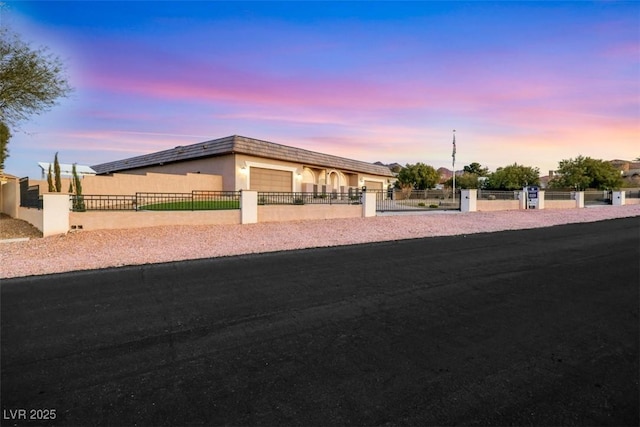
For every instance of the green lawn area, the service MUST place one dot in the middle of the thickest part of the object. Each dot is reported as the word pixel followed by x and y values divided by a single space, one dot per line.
pixel 196 205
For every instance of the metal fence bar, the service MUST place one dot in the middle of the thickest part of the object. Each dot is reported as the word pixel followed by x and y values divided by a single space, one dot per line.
pixel 164 201
pixel 632 194
pixel 597 197
pixel 103 203
pixel 498 194
pixel 409 194
pixel 300 198
pixel 559 195
pixel 29 195
pixel 215 200
pixel 413 200
pixel 196 200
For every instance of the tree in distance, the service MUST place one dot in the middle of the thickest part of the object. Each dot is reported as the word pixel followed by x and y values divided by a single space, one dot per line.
pixel 52 188
pixel 56 174
pixel 470 177
pixel 513 177
pixel 584 172
pixel 476 168
pixel 417 177
pixel 31 82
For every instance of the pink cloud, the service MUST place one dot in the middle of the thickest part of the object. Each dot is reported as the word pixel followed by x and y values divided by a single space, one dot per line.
pixel 264 90
pixel 629 50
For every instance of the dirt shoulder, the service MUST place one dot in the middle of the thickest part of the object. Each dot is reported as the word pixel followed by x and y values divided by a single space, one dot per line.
pixel 11 228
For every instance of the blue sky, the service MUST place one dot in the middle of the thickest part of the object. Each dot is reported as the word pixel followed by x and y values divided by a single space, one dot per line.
pixel 525 82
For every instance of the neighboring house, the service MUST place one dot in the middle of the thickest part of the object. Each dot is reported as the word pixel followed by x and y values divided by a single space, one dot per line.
pixel 66 170
pixel 247 163
pixel 628 169
pixel 545 180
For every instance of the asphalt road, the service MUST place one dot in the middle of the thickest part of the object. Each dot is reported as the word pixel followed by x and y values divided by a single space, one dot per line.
pixel 531 327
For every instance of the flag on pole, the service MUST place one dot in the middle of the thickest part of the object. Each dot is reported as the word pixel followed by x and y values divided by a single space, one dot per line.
pixel 453 154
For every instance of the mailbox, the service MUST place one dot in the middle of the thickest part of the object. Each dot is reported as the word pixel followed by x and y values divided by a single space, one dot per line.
pixel 533 202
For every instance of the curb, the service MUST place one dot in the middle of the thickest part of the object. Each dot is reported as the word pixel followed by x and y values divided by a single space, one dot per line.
pixel 18 239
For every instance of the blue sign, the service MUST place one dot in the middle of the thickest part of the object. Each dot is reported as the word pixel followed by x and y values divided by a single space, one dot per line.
pixel 532 192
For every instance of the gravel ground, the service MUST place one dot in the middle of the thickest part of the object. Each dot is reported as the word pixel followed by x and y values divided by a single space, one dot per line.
pixel 87 250
pixel 11 228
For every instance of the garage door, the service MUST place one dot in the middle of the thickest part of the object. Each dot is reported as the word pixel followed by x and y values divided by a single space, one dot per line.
pixel 270 180
pixel 373 185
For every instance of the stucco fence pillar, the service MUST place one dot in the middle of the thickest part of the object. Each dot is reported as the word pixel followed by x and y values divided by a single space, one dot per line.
pixel 369 204
pixel 522 200
pixel 10 197
pixel 248 206
pixel 579 196
pixel 469 200
pixel 55 214
pixel 540 202
pixel 618 198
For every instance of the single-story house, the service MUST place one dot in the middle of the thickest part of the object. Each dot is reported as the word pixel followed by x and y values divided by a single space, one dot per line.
pixel 247 163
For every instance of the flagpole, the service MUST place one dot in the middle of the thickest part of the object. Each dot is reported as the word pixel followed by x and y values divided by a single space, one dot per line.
pixel 453 165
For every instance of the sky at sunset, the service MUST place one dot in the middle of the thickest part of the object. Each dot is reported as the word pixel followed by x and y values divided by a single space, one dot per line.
pixel 525 82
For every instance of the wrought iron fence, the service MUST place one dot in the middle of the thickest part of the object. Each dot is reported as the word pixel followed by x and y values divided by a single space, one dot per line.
pixel 285 198
pixel 29 195
pixel 632 194
pixel 103 203
pixel 597 197
pixel 559 195
pixel 411 194
pixel 196 200
pixel 414 200
pixel 164 201
pixel 498 195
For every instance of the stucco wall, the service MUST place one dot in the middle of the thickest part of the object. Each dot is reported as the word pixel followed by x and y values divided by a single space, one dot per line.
pixel 222 166
pixel 559 204
pixel 497 205
pixel 279 213
pixel 109 220
pixel 33 216
pixel 43 185
pixel 127 184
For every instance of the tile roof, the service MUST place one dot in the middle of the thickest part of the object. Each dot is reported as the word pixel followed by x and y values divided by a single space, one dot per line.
pixel 242 145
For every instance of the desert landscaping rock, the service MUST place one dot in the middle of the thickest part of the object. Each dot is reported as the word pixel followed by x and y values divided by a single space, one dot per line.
pixel 11 228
